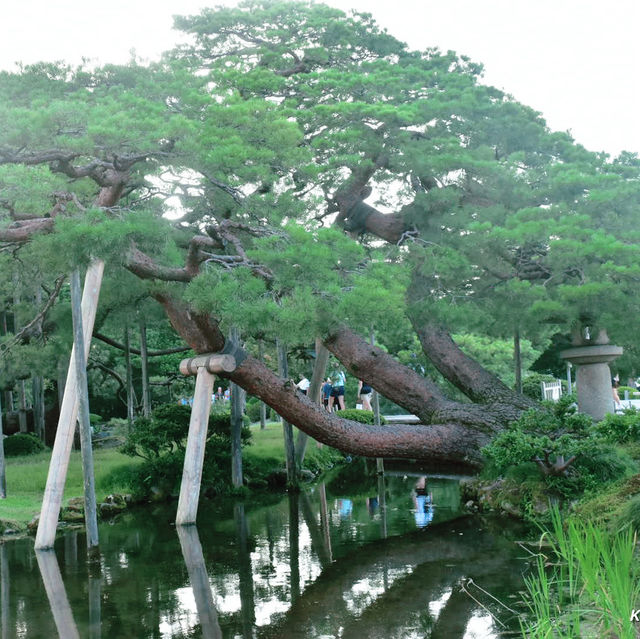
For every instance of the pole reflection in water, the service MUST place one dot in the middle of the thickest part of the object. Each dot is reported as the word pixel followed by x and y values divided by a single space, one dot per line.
pixel 52 579
pixel 382 503
pixel 194 560
pixel 294 547
pixel 95 596
pixel 245 571
pixel 4 592
pixel 316 532
pixel 324 519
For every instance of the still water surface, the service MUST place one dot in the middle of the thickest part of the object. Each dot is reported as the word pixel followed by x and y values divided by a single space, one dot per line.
pixel 376 558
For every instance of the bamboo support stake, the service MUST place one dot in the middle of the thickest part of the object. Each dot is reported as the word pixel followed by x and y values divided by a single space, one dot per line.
pixel 68 414
pixel 90 507
pixel 194 455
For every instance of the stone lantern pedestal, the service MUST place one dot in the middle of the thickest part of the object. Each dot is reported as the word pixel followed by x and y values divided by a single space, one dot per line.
pixel 593 377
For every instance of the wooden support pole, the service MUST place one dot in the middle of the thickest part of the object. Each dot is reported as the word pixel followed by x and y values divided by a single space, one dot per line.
pixel 237 401
pixel 376 413
pixel 3 474
pixel 314 394
pixel 80 363
pixel 144 360
pixel 287 429
pixel 263 406
pixel 194 455
pixel 204 367
pixel 129 378
pixel 68 414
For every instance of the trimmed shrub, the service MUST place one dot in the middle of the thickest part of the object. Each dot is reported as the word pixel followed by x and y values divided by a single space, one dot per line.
pixel 620 428
pixel 22 444
pixel 161 441
pixel 356 415
pixel 550 438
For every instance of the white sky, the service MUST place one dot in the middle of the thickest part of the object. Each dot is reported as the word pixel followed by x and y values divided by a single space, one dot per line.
pixel 576 61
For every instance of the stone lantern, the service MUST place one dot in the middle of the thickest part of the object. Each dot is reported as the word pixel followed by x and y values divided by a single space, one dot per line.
pixel 593 377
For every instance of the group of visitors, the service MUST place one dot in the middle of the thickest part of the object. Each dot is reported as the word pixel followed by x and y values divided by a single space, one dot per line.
pixel 332 391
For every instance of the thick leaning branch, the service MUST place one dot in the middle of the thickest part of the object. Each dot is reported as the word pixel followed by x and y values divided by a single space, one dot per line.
pixel 446 442
pixel 405 387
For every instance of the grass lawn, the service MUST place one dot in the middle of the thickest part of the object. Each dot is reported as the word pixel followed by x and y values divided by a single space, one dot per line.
pixel 268 444
pixel 27 477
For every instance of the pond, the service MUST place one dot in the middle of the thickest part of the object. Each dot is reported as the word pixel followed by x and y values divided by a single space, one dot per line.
pixel 354 556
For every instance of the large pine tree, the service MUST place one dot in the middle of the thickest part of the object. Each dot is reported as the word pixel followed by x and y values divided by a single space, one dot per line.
pixel 299 173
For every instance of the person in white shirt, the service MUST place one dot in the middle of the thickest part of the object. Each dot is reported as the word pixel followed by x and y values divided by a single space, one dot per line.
pixel 303 385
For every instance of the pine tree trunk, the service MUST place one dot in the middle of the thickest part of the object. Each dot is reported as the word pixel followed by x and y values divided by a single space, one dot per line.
pixel 37 389
pixel 517 360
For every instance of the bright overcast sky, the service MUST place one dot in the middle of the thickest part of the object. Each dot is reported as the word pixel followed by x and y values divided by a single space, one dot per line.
pixel 576 61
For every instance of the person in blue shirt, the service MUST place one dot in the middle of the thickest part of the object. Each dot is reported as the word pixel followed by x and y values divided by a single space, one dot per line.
pixel 338 380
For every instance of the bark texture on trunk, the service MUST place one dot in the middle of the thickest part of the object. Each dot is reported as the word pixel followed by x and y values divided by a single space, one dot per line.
pixel 465 373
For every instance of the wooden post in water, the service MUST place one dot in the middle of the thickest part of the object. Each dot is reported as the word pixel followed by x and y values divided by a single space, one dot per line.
pixel 68 414
pixel 376 414
pixel 90 507
pixel 204 367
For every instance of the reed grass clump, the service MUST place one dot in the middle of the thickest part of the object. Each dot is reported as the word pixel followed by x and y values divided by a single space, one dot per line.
pixel 585 585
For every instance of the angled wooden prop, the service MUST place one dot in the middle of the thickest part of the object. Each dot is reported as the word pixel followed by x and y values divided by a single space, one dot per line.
pixel 68 415
pixel 204 367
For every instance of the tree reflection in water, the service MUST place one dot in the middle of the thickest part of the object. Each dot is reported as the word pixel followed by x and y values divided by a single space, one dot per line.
pixel 287 569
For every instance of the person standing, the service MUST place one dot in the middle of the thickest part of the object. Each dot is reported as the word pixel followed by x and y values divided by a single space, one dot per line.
pixel 338 380
pixel 364 393
pixel 326 394
pixel 303 385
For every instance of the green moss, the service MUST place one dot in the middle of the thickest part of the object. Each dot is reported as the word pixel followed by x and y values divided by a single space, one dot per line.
pixel 607 506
